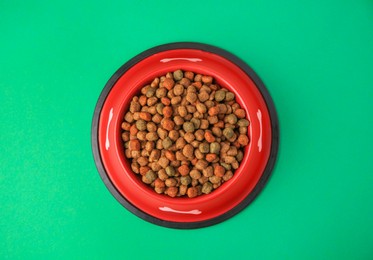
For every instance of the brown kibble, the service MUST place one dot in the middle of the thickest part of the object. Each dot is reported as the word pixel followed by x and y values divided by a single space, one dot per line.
pixel 228 175
pixel 189 75
pixel 188 127
pixel 154 155
pixel 191 97
pixel 171 191
pixel 152 136
pixel 151 102
pixel 168 83
pixel 162 174
pixel 229 159
pixel 175 100
pixel 212 119
pixel 157 118
pixel 163 162
pixel 209 137
pixel 201 164
pixel 178 74
pixel 243 140
pixel 183 189
pixel 182 111
pixel 185 82
pixel 134 145
pixel 195 174
pixel 183 170
pixel 135 167
pixel 208 172
pixel 178 120
pixel 215 179
pixel 174 135
pixel 240 113
pixel 178 89
pixel 189 137
pixel 207 79
pixel 204 124
pixel 188 151
pixel 125 136
pixel 170 182
pixel 203 96
pixel 126 126
pixel 129 117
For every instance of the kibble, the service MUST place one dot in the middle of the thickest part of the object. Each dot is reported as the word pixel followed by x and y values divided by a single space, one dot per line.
pixel 184 135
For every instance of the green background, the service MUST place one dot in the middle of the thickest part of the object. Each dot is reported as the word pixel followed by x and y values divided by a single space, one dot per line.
pixel 316 59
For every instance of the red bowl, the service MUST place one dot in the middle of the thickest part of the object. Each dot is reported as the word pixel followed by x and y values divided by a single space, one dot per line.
pixel 235 194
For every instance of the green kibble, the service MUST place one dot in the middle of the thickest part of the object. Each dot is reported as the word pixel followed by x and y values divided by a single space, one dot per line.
pixel 231 119
pixel 229 96
pixel 141 125
pixel 196 122
pixel 207 188
pixel 204 148
pixel 150 92
pixel 239 156
pixel 167 143
pixel 215 148
pixel 170 171
pixel 228 133
pixel 178 75
pixel 188 127
pixel 243 123
pixel 226 166
pixel 150 176
pixel 185 180
pixel 159 107
pixel 219 95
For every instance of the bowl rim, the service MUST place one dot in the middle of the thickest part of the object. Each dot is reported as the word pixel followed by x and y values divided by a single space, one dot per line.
pixel 273 121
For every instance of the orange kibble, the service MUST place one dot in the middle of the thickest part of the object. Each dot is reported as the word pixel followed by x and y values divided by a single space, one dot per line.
pixel 144 170
pixel 134 145
pixel 219 124
pixel 240 113
pixel 192 192
pixel 172 191
pixel 133 130
pixel 142 100
pixel 170 155
pixel 168 124
pixel 209 137
pixel 210 157
pixel 159 183
pixel 243 140
pixel 214 111
pixel 168 83
pixel 194 161
pixel 126 126
pixel 189 75
pixel 219 170
pixel 167 111
pixel 145 116
pixel 165 101
pixel 184 170
pixel 197 84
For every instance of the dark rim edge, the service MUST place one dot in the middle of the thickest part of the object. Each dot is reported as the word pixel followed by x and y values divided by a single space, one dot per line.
pixel 274 125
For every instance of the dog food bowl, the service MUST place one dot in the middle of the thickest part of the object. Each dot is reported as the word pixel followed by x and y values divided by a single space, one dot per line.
pixel 183 212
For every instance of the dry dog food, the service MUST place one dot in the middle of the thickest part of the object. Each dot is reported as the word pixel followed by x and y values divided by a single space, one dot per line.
pixel 184 134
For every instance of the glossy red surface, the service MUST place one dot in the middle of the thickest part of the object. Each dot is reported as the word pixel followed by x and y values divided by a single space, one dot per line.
pixel 231 193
